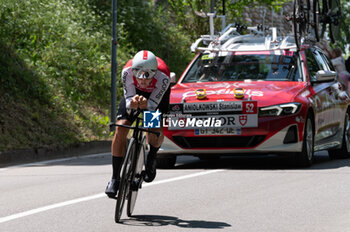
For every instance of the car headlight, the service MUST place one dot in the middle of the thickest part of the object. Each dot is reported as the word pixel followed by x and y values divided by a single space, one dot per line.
pixel 280 110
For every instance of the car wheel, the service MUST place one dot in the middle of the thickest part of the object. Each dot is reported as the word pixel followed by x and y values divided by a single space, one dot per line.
pixel 166 162
pixel 306 156
pixel 344 151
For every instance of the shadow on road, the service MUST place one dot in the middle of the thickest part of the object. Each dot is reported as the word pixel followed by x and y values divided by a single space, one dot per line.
pixel 243 162
pixel 157 220
pixel 264 162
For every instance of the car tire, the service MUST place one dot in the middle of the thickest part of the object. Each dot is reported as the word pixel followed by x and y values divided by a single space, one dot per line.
pixel 344 151
pixel 166 162
pixel 305 158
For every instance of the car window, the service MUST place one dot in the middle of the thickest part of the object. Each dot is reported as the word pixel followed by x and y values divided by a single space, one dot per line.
pixel 210 67
pixel 312 64
pixel 320 60
pixel 328 62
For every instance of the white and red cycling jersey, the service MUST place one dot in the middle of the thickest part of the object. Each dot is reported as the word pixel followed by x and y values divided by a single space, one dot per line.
pixel 158 86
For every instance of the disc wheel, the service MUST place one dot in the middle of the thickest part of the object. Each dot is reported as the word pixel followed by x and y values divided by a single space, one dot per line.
pixel 124 185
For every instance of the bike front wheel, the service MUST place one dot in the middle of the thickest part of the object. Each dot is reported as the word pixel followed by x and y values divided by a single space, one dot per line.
pixel 125 180
pixel 136 178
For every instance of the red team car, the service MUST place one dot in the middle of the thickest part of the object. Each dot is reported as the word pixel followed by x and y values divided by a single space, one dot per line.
pixel 257 94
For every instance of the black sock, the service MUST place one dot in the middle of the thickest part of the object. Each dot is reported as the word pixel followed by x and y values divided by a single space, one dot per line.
pixel 116 164
pixel 152 151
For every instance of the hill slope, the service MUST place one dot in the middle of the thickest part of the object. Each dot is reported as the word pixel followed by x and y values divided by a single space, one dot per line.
pixel 55 66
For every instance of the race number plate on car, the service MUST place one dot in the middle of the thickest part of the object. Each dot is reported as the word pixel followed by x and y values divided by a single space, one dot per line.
pixel 246 116
pixel 218 131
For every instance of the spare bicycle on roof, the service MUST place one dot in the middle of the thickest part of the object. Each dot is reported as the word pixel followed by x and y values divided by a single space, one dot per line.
pixel 312 20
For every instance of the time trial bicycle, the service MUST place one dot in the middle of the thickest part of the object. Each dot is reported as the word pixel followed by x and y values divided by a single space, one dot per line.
pixel 133 167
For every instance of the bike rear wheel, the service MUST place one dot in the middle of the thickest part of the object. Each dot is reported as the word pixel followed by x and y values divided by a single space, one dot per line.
pixel 136 178
pixel 125 180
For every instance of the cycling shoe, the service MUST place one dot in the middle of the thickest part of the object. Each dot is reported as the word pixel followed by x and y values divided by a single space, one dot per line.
pixel 151 170
pixel 112 188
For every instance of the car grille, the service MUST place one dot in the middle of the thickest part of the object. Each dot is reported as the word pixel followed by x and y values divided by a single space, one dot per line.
pixel 218 142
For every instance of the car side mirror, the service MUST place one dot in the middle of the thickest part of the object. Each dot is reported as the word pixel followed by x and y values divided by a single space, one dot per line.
pixel 325 75
pixel 172 79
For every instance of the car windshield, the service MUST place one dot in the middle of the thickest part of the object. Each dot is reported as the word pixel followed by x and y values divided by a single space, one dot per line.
pixel 210 68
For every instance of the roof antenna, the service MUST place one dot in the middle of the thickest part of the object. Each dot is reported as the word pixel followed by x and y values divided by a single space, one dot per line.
pixel 281 21
pixel 263 23
pixel 211 16
pixel 211 23
pixel 223 17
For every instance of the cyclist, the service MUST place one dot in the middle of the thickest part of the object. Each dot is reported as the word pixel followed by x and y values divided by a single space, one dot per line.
pixel 146 83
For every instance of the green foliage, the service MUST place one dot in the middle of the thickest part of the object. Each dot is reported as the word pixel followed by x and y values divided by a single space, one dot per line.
pixel 55 65
pixel 187 13
pixel 63 41
pixel 141 26
pixel 17 80
pixel 186 17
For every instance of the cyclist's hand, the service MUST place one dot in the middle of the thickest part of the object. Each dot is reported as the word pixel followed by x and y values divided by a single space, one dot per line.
pixel 134 103
pixel 142 102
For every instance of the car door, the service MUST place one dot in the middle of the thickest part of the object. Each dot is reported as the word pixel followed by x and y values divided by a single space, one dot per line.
pixel 324 99
pixel 341 97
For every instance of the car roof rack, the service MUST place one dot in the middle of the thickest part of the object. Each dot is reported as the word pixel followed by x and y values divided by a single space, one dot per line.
pixel 232 39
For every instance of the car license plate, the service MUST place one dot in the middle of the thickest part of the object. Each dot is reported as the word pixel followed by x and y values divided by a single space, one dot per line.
pixel 218 131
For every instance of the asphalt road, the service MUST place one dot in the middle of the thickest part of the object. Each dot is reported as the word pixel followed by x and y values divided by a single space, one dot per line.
pixel 230 194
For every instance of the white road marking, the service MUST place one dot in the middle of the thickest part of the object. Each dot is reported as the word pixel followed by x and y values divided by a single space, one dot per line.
pixel 96 196
pixel 45 208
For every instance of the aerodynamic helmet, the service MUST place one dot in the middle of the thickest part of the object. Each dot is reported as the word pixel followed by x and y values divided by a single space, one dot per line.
pixel 144 65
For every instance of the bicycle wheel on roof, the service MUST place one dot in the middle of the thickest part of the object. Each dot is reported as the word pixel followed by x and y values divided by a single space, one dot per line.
pixel 300 20
pixel 317 19
pixel 335 18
